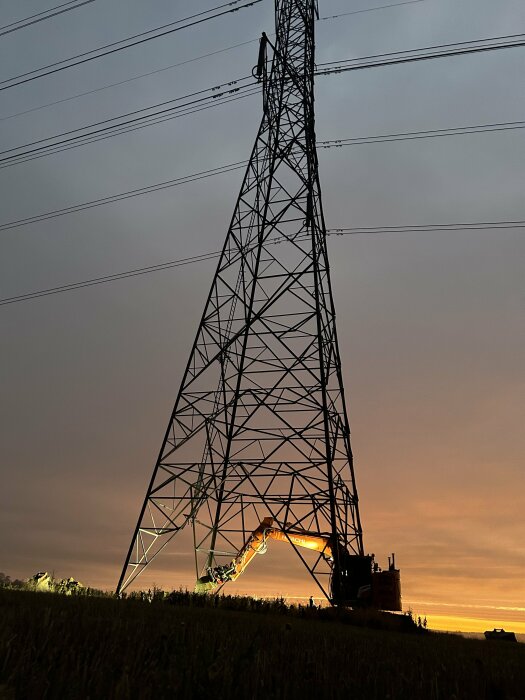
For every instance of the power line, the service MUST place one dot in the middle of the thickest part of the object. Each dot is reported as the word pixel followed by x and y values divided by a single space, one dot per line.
pixel 333 143
pixel 182 63
pixel 102 137
pixel 109 278
pixel 325 69
pixel 230 167
pixel 422 228
pixel 220 102
pixel 371 9
pixel 127 80
pixel 410 55
pixel 429 48
pixel 211 89
pixel 216 98
pixel 234 91
pixel 41 16
pixel 414 135
pixel 182 112
pixel 134 40
pixel 416 228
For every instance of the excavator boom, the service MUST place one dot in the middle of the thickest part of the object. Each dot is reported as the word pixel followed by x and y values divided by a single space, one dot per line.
pixel 257 544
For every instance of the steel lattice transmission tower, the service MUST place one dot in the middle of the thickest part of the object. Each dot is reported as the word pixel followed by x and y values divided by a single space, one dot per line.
pixel 260 428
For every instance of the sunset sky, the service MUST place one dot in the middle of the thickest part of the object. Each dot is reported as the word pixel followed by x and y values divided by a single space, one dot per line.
pixel 431 325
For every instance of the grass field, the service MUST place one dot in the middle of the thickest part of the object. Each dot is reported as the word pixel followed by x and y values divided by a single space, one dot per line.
pixel 71 647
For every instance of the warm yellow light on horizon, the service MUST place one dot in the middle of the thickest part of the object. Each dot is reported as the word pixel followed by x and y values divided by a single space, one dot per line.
pixel 453 623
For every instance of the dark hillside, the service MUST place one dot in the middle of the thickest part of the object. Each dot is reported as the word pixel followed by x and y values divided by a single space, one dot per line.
pixel 55 646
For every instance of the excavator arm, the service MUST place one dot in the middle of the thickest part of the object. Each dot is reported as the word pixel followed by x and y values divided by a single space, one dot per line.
pixel 257 544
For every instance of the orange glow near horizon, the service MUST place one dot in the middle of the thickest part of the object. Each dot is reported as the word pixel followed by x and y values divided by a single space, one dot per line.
pixel 451 623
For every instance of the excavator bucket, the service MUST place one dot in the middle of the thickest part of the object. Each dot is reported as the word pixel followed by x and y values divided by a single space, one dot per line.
pixel 205 584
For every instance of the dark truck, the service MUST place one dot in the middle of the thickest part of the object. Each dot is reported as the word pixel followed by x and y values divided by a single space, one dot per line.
pixel 500 634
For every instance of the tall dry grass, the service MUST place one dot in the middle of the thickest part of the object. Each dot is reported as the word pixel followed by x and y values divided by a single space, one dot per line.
pixel 100 648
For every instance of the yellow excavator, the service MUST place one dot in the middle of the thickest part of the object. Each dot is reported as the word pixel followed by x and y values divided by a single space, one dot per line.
pixel 363 583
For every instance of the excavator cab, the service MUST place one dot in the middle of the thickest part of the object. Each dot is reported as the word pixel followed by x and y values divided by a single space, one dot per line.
pixel 362 583
pixel 354 583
